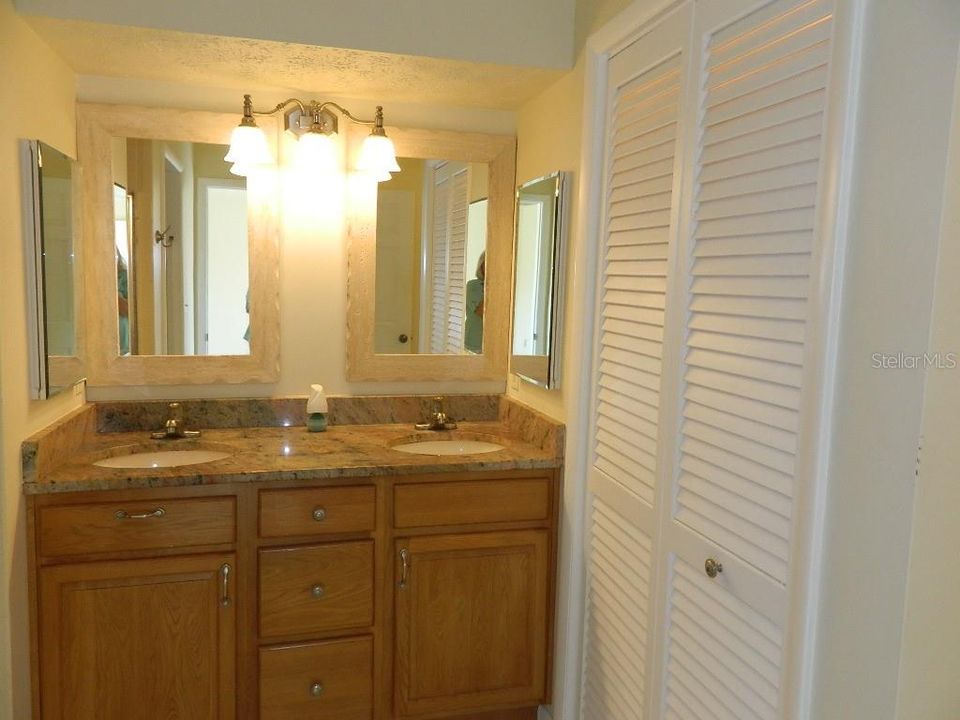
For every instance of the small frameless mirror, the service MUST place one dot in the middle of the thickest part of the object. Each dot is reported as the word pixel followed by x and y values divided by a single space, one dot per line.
pixel 539 255
pixel 51 273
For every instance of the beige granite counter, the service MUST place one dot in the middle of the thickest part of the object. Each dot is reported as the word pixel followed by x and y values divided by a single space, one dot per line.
pixel 259 454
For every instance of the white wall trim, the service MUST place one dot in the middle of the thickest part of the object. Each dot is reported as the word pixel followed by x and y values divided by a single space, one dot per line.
pixel 837 153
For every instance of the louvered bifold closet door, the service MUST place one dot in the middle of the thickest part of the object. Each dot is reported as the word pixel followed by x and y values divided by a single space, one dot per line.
pixel 456 261
pixel 438 264
pixel 641 154
pixel 748 255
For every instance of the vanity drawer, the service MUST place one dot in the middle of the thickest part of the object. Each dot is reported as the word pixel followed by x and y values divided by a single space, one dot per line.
pixel 317 511
pixel 320 681
pixel 464 503
pixel 317 588
pixel 136 525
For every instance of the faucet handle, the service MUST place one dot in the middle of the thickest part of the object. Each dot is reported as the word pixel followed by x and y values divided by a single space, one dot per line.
pixel 176 411
pixel 437 404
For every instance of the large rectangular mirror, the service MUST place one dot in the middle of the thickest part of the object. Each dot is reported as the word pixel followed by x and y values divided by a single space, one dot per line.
pixel 539 258
pixel 429 260
pixel 53 283
pixel 184 268
pixel 182 259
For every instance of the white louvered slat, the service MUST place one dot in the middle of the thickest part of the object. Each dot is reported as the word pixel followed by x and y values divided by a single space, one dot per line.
pixel 617 629
pixel 439 269
pixel 456 261
pixel 723 656
pixel 754 215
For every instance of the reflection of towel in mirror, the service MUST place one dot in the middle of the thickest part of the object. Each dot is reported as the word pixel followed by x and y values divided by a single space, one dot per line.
pixel 473 325
pixel 123 298
pixel 246 334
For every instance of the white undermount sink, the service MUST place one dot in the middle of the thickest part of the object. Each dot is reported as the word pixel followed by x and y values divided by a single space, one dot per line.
pixel 452 446
pixel 162 459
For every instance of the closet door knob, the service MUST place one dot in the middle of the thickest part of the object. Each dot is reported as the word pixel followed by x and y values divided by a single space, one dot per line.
pixel 712 567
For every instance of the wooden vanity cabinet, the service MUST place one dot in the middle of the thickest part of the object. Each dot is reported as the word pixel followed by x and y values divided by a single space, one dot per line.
pixel 139 639
pixel 471 622
pixel 414 597
pixel 135 605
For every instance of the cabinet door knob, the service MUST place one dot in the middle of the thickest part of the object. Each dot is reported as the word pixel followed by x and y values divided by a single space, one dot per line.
pixel 317 591
pixel 320 514
pixel 316 690
pixel 712 567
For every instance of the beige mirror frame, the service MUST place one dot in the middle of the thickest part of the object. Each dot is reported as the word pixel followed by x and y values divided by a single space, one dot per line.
pixel 96 125
pixel 363 363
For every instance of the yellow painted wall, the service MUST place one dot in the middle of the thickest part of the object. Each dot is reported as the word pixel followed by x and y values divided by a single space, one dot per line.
pixel 549 131
pixel 37 96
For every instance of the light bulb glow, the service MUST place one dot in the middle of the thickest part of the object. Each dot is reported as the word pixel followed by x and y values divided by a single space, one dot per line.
pixel 248 148
pixel 316 152
pixel 377 157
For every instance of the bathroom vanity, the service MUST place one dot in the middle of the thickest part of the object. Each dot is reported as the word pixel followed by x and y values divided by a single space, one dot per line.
pixel 305 575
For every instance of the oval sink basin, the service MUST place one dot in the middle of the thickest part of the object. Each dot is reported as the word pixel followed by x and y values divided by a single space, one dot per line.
pixel 162 459
pixel 448 447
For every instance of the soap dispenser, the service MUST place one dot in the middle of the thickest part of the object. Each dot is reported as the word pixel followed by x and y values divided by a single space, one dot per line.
pixel 317 409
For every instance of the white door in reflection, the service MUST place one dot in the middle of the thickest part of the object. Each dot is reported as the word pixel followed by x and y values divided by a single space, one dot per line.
pixel 532 313
pixel 223 317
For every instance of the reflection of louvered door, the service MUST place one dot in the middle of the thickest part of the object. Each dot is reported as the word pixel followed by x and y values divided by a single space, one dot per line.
pixel 457 258
pixel 451 186
pixel 438 265
pixel 643 105
pixel 747 259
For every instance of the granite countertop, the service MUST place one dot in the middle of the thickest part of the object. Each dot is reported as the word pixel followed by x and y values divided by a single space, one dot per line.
pixel 287 454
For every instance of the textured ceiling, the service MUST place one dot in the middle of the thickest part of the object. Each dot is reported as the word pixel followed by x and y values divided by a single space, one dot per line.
pixel 128 52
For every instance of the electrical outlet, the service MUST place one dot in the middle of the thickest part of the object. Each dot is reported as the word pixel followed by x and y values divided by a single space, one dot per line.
pixel 514 382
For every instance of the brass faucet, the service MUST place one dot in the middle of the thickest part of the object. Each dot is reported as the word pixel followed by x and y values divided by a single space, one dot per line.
pixel 439 420
pixel 173 428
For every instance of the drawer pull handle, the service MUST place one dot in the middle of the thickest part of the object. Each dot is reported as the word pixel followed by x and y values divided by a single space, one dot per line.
pixel 712 567
pixel 320 514
pixel 404 567
pixel 316 690
pixel 317 591
pixel 225 585
pixel 124 515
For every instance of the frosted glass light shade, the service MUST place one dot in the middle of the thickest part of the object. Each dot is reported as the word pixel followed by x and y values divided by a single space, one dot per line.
pixel 248 148
pixel 316 151
pixel 377 157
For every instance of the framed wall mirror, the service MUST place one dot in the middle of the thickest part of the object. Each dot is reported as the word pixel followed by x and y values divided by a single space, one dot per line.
pixel 539 263
pixel 54 288
pixel 185 267
pixel 429 256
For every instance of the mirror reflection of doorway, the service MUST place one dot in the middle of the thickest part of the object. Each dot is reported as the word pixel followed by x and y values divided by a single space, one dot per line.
pixel 222 267
pixel 173 302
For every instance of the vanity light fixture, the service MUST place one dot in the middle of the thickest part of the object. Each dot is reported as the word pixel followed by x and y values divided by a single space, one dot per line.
pixel 314 123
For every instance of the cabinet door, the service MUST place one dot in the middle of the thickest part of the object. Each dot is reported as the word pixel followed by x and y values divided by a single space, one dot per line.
pixel 138 639
pixel 471 622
